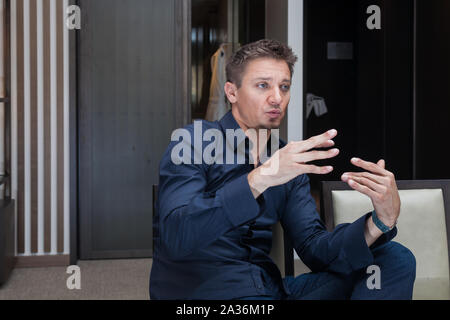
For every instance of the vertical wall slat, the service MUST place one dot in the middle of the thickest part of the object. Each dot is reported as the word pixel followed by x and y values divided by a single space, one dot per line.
pixel 60 124
pixel 47 126
pixel 54 129
pixel 13 15
pixel 26 113
pixel 2 91
pixel 66 125
pixel 20 126
pixel 33 129
pixel 40 124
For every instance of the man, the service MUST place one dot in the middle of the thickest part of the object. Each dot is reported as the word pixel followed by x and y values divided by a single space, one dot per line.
pixel 213 227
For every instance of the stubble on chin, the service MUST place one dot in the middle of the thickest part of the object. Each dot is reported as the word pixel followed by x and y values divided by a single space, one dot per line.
pixel 269 126
pixel 272 125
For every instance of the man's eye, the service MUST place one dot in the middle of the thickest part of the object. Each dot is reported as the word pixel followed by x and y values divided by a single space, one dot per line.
pixel 285 87
pixel 262 85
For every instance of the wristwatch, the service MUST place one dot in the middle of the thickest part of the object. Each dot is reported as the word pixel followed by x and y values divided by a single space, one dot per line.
pixel 384 228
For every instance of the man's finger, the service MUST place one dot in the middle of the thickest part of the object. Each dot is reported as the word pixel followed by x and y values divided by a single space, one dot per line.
pixel 363 189
pixel 314 142
pixel 304 168
pixel 368 183
pixel 369 166
pixel 315 155
pixel 374 177
pixel 382 164
pixel 328 144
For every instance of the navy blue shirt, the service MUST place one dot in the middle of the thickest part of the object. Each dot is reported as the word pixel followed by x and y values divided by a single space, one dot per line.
pixel 213 238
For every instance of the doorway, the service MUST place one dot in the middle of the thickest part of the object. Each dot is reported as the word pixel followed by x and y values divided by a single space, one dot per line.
pixel 218 23
pixel 132 94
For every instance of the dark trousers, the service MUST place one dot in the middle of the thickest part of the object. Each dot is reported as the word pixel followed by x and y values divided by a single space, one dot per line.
pixel 397 270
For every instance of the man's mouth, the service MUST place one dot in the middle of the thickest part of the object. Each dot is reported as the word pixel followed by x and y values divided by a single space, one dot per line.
pixel 274 114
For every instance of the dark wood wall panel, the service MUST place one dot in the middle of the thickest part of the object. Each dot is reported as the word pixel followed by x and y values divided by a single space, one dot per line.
pixel 132 95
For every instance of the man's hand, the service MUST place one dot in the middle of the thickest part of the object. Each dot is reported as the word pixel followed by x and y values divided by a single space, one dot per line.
pixel 291 161
pixel 380 186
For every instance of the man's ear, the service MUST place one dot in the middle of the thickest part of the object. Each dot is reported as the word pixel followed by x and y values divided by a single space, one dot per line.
pixel 231 92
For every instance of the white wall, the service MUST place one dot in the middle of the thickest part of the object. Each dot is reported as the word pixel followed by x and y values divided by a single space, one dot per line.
pixel 295 41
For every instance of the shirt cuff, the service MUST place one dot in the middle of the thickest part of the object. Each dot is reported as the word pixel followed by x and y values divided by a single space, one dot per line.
pixel 386 237
pixel 357 252
pixel 239 204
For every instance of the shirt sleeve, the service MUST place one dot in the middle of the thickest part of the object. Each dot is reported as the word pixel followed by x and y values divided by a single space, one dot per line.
pixel 342 251
pixel 190 217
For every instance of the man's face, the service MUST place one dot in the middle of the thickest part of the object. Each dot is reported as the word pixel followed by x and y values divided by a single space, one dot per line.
pixel 264 95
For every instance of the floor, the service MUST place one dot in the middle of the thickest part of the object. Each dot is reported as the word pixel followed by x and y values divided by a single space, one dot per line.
pixel 100 280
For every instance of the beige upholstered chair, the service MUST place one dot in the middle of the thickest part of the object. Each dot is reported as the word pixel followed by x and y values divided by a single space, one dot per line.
pixel 282 252
pixel 423 227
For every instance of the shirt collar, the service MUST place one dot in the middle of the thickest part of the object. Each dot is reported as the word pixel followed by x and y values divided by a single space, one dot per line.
pixel 228 122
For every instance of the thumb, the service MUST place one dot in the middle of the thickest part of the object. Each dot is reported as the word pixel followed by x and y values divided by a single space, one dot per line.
pixel 382 164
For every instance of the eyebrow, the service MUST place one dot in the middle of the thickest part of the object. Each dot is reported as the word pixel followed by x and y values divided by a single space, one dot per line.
pixel 268 79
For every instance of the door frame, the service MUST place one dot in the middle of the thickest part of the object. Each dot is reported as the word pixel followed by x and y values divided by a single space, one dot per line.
pixel 183 84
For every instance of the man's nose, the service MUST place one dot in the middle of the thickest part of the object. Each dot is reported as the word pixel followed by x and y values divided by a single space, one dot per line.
pixel 275 97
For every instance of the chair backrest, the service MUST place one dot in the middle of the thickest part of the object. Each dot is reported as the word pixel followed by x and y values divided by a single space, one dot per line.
pixel 282 252
pixel 423 226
